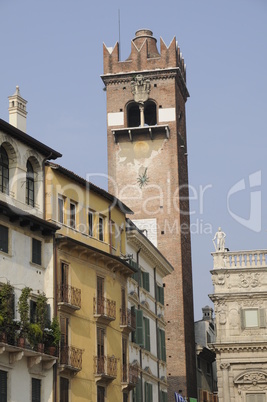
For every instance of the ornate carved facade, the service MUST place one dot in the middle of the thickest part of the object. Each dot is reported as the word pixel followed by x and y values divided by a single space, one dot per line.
pixel 240 302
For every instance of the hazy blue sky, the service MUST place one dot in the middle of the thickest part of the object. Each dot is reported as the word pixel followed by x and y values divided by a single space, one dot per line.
pixel 53 51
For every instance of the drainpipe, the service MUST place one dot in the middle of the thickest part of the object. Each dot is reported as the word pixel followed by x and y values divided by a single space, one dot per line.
pixel 110 229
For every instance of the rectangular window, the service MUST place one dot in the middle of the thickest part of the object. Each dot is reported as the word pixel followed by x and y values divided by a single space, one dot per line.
pixel 3 386
pixel 255 397
pixel 253 318
pixel 3 239
pixel 160 294
pixel 33 311
pixel 60 213
pixel 161 344
pixel 36 390
pixel 101 228
pixel 163 396
pixel 37 251
pixel 101 367
pixel 64 389
pixel 145 281
pixel 91 223
pixel 100 394
pixel 72 215
pixel 137 392
pixel 148 392
pixel 147 333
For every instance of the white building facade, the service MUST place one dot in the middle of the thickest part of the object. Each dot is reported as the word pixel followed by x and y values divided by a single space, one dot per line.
pixel 26 255
pixel 240 302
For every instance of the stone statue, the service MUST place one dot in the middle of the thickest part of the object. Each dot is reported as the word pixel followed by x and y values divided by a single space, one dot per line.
pixel 140 89
pixel 220 240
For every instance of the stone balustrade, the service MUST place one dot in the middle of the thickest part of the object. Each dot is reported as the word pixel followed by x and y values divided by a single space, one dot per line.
pixel 240 259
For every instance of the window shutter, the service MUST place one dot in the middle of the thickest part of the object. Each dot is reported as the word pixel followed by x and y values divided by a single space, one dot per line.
pixel 146 280
pixel 4 238
pixel 139 328
pixel 159 343
pixel 3 386
pixel 163 346
pixel 262 318
pixel 242 317
pixel 147 334
pixel 139 391
pixel 161 295
pixel 36 390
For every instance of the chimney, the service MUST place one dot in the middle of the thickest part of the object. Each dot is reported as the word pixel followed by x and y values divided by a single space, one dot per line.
pixel 207 313
pixel 17 110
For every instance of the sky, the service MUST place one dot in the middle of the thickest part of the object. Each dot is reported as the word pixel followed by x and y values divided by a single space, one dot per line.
pixel 54 51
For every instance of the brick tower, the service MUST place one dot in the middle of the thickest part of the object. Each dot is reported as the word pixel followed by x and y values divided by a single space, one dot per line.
pixel 147 167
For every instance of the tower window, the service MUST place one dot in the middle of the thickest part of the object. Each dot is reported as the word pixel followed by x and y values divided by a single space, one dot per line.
pixel 30 184
pixel 150 113
pixel 133 115
pixel 4 171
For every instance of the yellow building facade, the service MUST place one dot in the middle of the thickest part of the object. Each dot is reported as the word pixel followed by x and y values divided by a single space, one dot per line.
pixel 91 289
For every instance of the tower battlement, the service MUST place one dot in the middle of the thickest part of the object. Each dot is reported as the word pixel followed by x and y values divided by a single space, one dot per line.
pixel 144 55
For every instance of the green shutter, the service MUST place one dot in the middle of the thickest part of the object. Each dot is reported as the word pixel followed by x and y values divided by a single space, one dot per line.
pixel 3 386
pixel 161 295
pixel 145 276
pixel 163 396
pixel 147 333
pixel 163 346
pixel 139 328
pixel 262 318
pixel 159 343
pixel 138 391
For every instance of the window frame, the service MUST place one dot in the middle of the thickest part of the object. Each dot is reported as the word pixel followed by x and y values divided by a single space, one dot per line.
pixel 3 385
pixel 72 214
pixel 36 258
pixel 91 217
pixel 4 171
pixel 36 389
pixel 61 209
pixel 101 228
pixel 4 230
pixel 261 318
pixel 64 389
pixel 30 184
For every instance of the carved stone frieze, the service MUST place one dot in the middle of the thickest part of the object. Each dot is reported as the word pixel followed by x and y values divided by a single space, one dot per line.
pixel 224 366
pixel 249 280
pixel 252 377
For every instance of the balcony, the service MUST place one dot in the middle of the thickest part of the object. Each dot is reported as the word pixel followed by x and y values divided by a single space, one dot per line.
pixel 129 376
pixel 70 359
pixel 127 320
pixel 105 368
pixel 69 298
pixel 104 309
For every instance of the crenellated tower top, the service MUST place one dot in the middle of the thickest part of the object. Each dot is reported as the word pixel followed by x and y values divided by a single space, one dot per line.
pixel 144 55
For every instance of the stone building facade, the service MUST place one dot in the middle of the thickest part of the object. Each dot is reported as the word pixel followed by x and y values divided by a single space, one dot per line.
pixel 147 167
pixel 240 301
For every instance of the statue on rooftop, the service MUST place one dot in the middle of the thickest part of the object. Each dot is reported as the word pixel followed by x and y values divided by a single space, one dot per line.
pixel 219 240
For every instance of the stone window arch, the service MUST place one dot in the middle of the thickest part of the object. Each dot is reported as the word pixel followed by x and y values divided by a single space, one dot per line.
pixel 150 113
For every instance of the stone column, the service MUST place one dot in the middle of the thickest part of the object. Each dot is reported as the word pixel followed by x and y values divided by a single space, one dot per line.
pixel 225 381
pixel 142 114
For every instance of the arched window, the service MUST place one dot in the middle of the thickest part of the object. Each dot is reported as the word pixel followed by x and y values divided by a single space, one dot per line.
pixel 150 113
pixel 133 115
pixel 30 184
pixel 4 171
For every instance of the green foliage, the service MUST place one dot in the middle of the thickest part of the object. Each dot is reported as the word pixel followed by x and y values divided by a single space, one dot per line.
pixel 6 303
pixel 35 334
pixel 23 308
pixel 41 311
pixel 56 331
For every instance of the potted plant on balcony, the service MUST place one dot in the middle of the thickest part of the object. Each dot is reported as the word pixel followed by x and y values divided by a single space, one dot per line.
pixel 7 332
pixel 53 336
pixel 23 309
pixel 35 336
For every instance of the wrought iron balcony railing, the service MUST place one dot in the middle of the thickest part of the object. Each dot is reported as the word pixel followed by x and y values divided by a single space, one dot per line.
pixel 71 357
pixel 70 296
pixel 106 366
pixel 128 319
pixel 129 374
pixel 105 308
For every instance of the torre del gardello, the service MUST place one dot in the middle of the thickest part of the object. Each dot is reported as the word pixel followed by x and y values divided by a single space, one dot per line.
pixel 147 168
